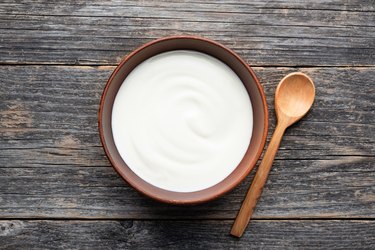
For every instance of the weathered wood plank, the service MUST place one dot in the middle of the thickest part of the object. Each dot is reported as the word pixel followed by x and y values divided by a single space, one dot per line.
pixel 49 115
pixel 272 33
pixel 315 234
pixel 98 7
pixel 340 188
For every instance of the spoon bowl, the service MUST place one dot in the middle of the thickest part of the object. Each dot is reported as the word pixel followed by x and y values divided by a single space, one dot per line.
pixel 294 97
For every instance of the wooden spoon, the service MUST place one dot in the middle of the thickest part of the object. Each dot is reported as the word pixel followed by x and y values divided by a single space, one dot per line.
pixel 293 99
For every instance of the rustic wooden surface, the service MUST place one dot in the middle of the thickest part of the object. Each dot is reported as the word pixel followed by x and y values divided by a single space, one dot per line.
pixel 58 190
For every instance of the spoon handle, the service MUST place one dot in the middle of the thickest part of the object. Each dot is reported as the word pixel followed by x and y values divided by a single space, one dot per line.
pixel 255 190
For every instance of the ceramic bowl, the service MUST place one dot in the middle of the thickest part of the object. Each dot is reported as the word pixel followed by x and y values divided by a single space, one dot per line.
pixel 248 78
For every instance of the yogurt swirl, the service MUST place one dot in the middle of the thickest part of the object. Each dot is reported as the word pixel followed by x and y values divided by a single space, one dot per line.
pixel 182 121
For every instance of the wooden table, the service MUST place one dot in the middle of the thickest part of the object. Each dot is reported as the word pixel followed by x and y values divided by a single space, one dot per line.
pixel 57 188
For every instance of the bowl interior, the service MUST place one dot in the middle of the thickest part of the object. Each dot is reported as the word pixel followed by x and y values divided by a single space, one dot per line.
pixel 251 83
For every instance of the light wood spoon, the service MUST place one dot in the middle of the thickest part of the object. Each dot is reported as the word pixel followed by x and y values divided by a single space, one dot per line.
pixel 293 98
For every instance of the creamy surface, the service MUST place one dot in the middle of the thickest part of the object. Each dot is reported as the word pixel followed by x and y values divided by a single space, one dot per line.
pixel 182 121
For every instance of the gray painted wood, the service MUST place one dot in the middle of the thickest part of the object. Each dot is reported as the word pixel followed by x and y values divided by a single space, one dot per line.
pixel 185 235
pixel 283 33
pixel 51 153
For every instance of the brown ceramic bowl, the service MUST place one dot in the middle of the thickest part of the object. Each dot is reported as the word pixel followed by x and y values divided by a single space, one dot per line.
pixel 239 66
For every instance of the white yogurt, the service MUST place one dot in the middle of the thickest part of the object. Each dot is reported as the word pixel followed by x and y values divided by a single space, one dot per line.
pixel 182 121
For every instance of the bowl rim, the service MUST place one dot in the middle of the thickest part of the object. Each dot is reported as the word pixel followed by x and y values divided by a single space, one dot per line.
pixel 129 180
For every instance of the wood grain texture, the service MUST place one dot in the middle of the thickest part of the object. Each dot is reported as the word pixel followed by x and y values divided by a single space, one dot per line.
pixel 55 57
pixel 295 189
pixel 45 108
pixel 287 33
pixel 52 164
pixel 272 234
